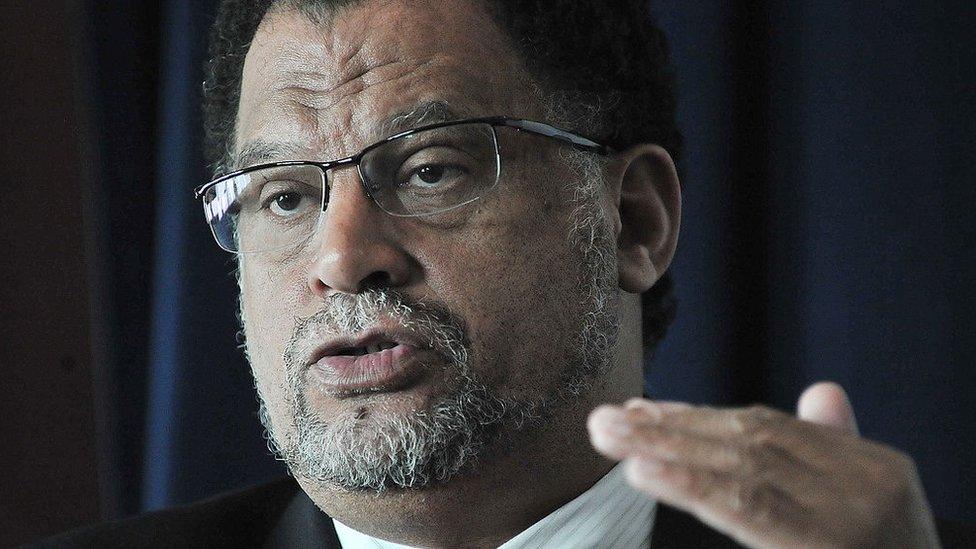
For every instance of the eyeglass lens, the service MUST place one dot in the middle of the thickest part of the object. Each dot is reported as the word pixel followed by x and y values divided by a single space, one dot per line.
pixel 422 173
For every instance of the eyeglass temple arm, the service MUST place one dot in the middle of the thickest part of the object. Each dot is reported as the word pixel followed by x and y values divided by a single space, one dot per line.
pixel 576 140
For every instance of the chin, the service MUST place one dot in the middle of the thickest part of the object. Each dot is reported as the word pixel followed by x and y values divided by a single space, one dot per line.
pixel 421 435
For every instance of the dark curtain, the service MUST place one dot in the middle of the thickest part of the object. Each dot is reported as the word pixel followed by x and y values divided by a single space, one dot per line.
pixel 828 233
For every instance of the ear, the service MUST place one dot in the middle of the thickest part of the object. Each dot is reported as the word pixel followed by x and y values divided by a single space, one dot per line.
pixel 644 183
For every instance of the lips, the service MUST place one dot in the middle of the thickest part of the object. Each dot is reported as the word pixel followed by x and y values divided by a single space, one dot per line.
pixel 375 362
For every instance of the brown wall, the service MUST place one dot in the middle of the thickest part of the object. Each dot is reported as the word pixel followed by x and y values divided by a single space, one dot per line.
pixel 48 479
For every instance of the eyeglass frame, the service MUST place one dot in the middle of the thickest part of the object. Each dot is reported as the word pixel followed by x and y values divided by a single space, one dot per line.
pixel 578 141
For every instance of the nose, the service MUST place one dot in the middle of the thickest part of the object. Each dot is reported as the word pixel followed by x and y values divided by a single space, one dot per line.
pixel 353 251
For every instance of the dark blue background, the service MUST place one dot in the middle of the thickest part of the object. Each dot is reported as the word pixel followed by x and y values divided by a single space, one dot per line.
pixel 828 233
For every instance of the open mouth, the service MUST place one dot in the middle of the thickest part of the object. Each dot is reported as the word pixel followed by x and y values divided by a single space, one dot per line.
pixel 375 362
pixel 367 350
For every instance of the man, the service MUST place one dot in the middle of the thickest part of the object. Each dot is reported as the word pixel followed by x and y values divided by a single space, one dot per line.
pixel 453 221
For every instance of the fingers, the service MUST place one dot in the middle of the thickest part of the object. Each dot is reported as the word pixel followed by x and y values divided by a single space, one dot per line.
pixel 762 476
pixel 826 403
pixel 719 465
pixel 752 510
pixel 620 433
pixel 706 421
pixel 754 425
pixel 632 433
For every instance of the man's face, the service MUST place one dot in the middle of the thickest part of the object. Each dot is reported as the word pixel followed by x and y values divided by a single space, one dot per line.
pixel 496 307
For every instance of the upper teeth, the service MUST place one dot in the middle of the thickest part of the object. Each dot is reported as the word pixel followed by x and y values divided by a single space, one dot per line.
pixel 379 347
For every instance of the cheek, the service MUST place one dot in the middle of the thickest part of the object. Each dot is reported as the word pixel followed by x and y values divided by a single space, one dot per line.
pixel 269 306
pixel 272 296
pixel 261 320
pixel 515 284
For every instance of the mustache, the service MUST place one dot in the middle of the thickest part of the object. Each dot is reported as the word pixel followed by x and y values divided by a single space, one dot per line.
pixel 345 315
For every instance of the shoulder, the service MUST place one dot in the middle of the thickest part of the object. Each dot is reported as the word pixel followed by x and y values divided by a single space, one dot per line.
pixel 232 519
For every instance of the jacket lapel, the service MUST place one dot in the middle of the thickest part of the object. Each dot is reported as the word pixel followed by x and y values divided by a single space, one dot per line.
pixel 677 529
pixel 302 525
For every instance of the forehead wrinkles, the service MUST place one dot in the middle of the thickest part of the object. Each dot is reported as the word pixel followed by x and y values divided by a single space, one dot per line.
pixel 323 65
pixel 329 83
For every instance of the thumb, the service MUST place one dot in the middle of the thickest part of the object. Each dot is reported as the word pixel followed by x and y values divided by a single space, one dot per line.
pixel 826 403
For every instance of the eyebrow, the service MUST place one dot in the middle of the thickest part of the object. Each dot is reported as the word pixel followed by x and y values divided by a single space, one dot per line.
pixel 261 151
pixel 421 114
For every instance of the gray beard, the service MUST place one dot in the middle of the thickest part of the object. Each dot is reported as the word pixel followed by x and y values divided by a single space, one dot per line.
pixel 377 452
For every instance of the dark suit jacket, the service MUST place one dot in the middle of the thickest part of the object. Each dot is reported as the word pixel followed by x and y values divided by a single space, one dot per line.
pixel 280 515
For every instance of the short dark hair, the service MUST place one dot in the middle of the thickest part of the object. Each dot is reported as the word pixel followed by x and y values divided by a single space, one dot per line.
pixel 609 57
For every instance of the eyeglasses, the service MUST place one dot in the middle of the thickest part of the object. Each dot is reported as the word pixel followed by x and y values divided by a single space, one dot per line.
pixel 418 172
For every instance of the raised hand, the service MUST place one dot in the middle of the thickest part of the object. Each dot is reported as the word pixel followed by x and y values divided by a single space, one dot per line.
pixel 768 479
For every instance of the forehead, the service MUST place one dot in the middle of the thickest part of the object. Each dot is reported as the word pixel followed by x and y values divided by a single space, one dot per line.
pixel 326 86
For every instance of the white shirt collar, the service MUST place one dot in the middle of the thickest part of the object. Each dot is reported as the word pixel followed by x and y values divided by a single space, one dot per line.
pixel 610 514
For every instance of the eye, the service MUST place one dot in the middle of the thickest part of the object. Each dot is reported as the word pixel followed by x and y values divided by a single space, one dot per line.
pixel 287 200
pixel 433 175
pixel 285 203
